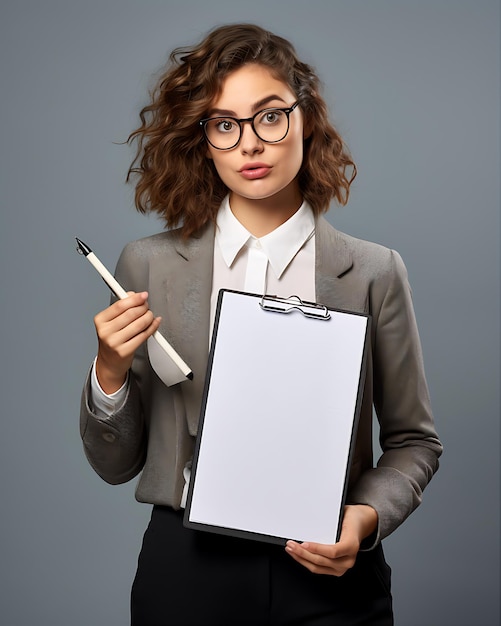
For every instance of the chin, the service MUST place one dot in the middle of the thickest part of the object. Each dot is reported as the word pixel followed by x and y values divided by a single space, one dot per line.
pixel 264 193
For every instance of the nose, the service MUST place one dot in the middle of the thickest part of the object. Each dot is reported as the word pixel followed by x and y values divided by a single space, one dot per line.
pixel 249 141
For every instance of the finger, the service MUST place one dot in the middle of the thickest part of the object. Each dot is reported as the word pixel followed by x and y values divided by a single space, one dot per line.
pixel 140 337
pixel 110 322
pixel 133 299
pixel 345 547
pixel 117 332
pixel 328 550
pixel 320 566
pixel 135 342
pixel 120 306
pixel 131 335
pixel 322 557
pixel 138 317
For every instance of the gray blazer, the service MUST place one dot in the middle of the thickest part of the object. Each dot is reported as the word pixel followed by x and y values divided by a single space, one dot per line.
pixel 153 432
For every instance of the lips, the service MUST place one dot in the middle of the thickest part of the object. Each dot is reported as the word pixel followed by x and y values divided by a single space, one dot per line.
pixel 252 171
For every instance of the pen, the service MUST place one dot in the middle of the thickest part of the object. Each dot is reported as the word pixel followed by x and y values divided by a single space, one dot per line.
pixel 120 292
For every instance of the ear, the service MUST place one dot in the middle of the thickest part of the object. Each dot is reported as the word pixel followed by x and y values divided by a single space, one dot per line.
pixel 307 128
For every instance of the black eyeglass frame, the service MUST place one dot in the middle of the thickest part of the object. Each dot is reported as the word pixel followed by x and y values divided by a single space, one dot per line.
pixel 288 110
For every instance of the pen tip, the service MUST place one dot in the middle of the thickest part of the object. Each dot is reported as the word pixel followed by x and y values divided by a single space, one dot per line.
pixel 82 248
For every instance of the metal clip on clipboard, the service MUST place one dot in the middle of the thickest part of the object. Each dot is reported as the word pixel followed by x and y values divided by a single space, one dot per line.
pixel 294 303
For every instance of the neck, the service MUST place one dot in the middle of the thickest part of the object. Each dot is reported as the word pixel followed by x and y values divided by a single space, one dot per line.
pixel 262 216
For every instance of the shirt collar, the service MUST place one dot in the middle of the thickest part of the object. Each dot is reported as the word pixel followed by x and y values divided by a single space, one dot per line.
pixel 280 246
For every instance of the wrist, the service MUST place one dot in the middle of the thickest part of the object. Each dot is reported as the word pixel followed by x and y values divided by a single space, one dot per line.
pixel 366 519
pixel 109 380
pixel 370 521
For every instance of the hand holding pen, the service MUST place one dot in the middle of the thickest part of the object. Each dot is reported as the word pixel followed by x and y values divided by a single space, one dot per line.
pixel 121 328
pixel 125 325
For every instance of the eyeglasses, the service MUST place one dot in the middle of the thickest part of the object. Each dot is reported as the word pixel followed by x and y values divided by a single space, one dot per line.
pixel 270 125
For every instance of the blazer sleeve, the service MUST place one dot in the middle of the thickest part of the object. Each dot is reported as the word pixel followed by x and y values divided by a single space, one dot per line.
pixel 116 446
pixel 408 439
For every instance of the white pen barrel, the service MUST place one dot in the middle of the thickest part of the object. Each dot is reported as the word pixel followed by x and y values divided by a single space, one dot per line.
pixel 107 276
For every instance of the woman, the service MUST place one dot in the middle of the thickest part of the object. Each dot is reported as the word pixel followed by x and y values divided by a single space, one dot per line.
pixel 236 152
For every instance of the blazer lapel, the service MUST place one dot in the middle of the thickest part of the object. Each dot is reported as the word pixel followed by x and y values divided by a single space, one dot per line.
pixel 332 261
pixel 182 280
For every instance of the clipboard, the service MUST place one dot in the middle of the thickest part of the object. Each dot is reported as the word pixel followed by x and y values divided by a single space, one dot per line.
pixel 278 421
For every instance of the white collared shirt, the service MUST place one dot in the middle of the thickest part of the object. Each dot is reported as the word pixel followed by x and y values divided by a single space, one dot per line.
pixel 281 263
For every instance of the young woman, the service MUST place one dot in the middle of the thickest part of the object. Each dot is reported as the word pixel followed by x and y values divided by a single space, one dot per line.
pixel 236 152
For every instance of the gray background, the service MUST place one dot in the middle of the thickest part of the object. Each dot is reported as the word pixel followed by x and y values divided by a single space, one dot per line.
pixel 414 89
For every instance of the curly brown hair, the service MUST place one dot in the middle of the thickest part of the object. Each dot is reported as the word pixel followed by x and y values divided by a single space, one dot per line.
pixel 174 176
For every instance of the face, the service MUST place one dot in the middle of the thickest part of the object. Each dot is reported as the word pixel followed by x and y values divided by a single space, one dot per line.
pixel 255 170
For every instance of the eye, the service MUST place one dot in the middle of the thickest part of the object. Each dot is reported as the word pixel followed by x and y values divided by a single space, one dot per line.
pixel 270 117
pixel 225 125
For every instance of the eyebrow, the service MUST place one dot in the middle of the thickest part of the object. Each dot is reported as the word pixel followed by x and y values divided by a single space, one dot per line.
pixel 255 107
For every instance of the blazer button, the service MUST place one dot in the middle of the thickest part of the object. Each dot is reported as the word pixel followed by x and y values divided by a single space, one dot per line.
pixel 109 437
